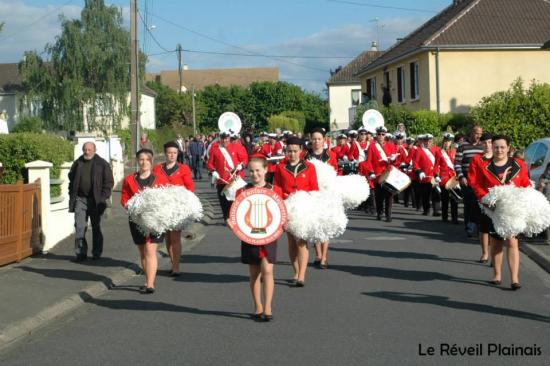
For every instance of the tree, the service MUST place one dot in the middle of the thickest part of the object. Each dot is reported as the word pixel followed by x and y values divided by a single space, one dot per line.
pixel 522 114
pixel 87 73
pixel 173 107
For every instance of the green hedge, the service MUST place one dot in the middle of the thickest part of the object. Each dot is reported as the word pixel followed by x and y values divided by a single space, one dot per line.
pixel 17 149
pixel 28 124
pixel 284 123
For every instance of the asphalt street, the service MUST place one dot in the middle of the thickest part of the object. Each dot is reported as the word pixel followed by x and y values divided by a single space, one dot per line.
pixel 392 290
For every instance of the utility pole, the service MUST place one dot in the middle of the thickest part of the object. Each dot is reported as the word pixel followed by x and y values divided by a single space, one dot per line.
pixel 134 77
pixel 194 123
pixel 179 49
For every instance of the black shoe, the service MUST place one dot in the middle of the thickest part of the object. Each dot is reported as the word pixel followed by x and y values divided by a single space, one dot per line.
pixel 436 214
pixel 455 221
pixel 316 263
pixel 388 219
pixel 96 257
pixel 174 274
pixel 495 282
pixel 425 213
pixel 299 284
pixel 484 261
pixel 378 217
pixel 256 317
pixel 444 219
pixel 515 286
pixel 80 258
pixel 267 318
pixel 148 290
pixel 323 265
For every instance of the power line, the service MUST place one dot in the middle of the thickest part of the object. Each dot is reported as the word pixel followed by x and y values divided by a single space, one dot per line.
pixel 251 53
pixel 151 34
pixel 27 26
pixel 262 55
pixel 382 6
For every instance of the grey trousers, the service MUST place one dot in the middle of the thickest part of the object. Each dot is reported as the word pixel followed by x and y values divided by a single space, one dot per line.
pixel 84 209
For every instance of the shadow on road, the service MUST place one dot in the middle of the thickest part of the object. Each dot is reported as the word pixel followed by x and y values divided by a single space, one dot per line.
pixel 210 278
pixel 161 306
pixel 202 259
pixel 446 302
pixel 103 262
pixel 404 275
pixel 405 255
pixel 68 274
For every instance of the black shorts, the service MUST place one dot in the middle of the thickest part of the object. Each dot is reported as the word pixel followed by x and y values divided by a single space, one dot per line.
pixel 485 224
pixel 253 254
pixel 140 239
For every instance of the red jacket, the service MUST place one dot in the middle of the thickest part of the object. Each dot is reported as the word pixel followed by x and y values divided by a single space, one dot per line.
pixel 241 152
pixel 482 175
pixel 404 156
pixel 446 172
pixel 217 162
pixel 364 169
pixel 328 157
pixel 130 186
pixel 354 153
pixel 272 150
pixel 181 177
pixel 375 164
pixel 340 151
pixel 301 177
pixel 422 163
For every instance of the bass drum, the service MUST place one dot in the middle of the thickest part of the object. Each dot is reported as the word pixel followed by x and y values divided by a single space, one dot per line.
pixel 230 190
pixel 394 180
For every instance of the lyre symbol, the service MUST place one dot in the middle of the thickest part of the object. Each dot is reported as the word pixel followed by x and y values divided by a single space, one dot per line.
pixel 256 219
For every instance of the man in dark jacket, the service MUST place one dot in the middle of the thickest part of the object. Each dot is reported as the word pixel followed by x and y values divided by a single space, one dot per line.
pixel 196 151
pixel 90 185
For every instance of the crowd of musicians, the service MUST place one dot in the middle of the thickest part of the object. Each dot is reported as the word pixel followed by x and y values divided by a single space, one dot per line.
pixel 281 161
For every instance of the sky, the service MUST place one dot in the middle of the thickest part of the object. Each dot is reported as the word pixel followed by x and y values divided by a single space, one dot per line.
pixel 328 33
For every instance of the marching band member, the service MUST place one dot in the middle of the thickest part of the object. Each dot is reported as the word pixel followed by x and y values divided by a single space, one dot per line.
pixel 260 259
pixel 342 148
pixel 177 174
pixel 425 165
pixel 359 145
pixel 364 169
pixel 147 245
pixel 296 175
pixel 380 156
pixel 272 149
pixel 327 156
pixel 224 164
pixel 237 145
pixel 482 220
pixel 446 172
pixel 402 157
pixel 406 158
pixel 500 170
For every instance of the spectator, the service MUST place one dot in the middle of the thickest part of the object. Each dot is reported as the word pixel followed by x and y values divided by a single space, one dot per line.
pixel 196 153
pixel 90 185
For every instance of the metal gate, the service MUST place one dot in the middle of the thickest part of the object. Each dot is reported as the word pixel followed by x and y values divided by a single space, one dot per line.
pixel 20 220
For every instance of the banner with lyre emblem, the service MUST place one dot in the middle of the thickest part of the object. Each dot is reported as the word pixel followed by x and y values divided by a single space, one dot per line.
pixel 257 216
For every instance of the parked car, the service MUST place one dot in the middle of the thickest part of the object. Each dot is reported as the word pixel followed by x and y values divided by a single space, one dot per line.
pixel 537 156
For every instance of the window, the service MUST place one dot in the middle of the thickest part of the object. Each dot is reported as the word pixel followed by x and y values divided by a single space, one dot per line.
pixel 400 84
pixel 415 92
pixel 371 88
pixel 387 79
pixel 355 97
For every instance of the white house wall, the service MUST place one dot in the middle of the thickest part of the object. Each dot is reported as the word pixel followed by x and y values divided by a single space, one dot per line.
pixel 147 109
pixel 9 103
pixel 340 103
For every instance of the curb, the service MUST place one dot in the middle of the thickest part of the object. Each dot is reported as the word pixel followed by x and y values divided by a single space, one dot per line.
pixel 17 331
pixel 537 256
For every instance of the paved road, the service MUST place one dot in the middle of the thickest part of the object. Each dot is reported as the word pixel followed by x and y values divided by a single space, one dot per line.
pixel 390 288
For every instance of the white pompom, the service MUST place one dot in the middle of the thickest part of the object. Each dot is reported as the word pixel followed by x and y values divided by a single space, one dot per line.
pixel 157 210
pixel 326 175
pixel 517 210
pixel 316 216
pixel 353 189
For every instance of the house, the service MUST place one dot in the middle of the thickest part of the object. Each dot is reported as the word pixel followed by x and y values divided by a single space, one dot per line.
pixel 469 50
pixel 11 84
pixel 344 90
pixel 205 77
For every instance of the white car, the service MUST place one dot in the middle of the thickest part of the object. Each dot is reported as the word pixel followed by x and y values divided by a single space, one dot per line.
pixel 537 157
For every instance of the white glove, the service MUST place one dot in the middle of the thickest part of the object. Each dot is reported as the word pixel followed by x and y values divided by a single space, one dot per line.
pixel 239 167
pixel 215 176
pixel 421 176
pixel 345 158
pixel 393 157
pixel 372 177
pixel 437 179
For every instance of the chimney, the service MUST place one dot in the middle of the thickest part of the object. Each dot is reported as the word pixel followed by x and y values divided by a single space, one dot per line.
pixel 374 46
pixel 185 67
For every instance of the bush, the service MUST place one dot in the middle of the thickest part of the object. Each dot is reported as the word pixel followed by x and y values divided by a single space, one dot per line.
pixel 284 123
pixel 425 121
pixel 28 124
pixel 297 115
pixel 17 149
pixel 522 114
pixel 125 136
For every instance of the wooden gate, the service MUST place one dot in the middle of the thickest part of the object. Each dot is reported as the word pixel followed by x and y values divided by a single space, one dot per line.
pixel 20 221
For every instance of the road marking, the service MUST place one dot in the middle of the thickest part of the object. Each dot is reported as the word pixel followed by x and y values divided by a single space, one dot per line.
pixel 385 238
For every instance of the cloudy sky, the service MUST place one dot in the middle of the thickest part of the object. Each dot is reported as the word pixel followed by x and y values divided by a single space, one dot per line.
pixel 305 32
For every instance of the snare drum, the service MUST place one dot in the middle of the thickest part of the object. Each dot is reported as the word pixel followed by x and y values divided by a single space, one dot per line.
pixel 394 181
pixel 230 190
pixel 453 186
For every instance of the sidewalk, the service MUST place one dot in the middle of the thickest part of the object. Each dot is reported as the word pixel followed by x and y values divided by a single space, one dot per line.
pixel 44 287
